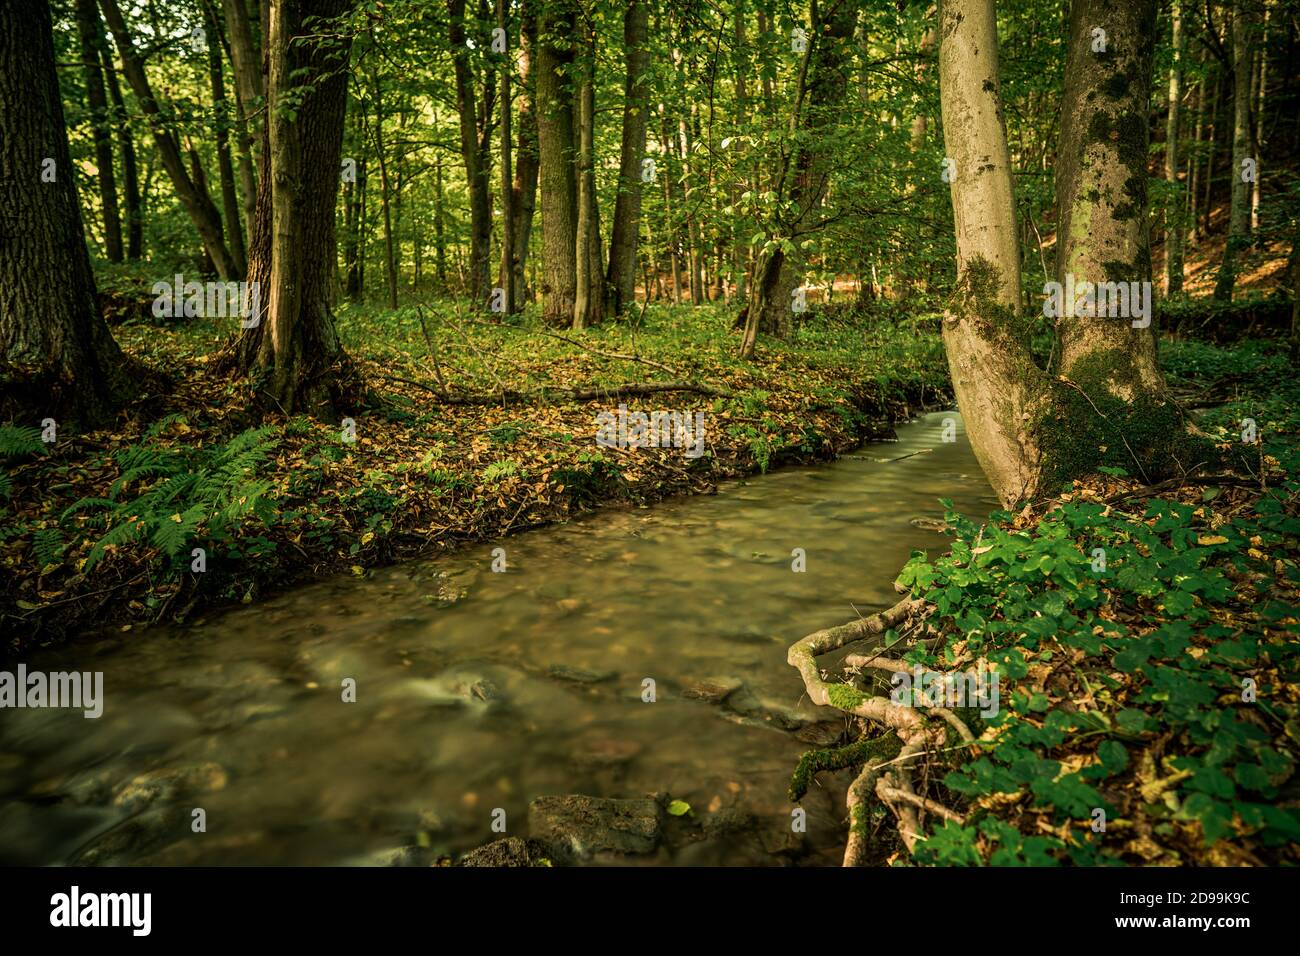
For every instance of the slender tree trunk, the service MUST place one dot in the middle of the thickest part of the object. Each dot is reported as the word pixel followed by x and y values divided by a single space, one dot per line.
pixel 1174 230
pixel 621 277
pixel 1216 104
pixel 507 175
pixel 197 204
pixel 589 302
pixel 57 356
pixel 439 227
pixel 91 35
pixel 1194 168
pixel 385 195
pixel 130 176
pixel 477 167
pixel 823 83
pixel 523 195
pixel 559 190
pixel 225 168
pixel 1242 161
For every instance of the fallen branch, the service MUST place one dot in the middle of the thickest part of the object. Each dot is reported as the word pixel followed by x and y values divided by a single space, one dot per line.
pixel 510 396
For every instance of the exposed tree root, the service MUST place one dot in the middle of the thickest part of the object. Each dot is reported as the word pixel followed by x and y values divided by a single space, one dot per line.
pixel 890 780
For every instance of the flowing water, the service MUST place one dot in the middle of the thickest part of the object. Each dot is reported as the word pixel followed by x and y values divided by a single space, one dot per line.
pixel 478 691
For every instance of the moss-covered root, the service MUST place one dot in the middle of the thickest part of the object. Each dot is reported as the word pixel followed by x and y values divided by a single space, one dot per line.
pixel 803 654
pixel 813 762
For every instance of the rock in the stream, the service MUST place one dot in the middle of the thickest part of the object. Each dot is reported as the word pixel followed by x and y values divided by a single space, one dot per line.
pixel 169 785
pixel 711 690
pixel 579 675
pixel 508 851
pixel 576 827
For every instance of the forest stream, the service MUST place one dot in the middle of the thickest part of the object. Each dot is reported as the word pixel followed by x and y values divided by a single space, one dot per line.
pixel 479 691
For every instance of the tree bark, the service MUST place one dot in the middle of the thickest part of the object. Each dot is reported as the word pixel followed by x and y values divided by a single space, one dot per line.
pixel 225 168
pixel 558 183
pixel 57 356
pixel 91 35
pixel 621 277
pixel 1239 215
pixel 477 165
pixel 130 175
pixel 998 387
pixel 507 175
pixel 1174 219
pixel 589 276
pixel 523 192
pixel 295 349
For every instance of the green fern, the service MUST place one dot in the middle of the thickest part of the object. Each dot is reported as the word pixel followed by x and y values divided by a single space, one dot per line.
pixel 48 546
pixel 184 491
pixel 19 441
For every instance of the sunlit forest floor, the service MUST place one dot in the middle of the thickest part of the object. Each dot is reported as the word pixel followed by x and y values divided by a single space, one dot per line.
pixel 296 498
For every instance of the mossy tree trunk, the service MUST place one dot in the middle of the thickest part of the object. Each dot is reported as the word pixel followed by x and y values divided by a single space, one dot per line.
pixel 620 280
pixel 998 387
pixel 1105 403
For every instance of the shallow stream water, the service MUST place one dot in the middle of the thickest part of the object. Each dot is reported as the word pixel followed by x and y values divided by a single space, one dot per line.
pixel 478 691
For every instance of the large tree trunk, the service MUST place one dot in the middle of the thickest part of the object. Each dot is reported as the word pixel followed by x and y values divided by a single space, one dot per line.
pixel 91 35
pixel 1174 223
pixel 1107 404
pixel 621 277
pixel 559 190
pixel 998 387
pixel 824 76
pixel 477 164
pixel 295 348
pixel 1239 216
pixel 198 204
pixel 56 354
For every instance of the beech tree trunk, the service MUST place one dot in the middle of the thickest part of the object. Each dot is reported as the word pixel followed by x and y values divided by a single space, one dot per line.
pixel 589 275
pixel 1107 403
pixel 57 356
pixel 130 176
pixel 621 277
pixel 558 183
pixel 999 389
pixel 523 192
pixel 294 349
